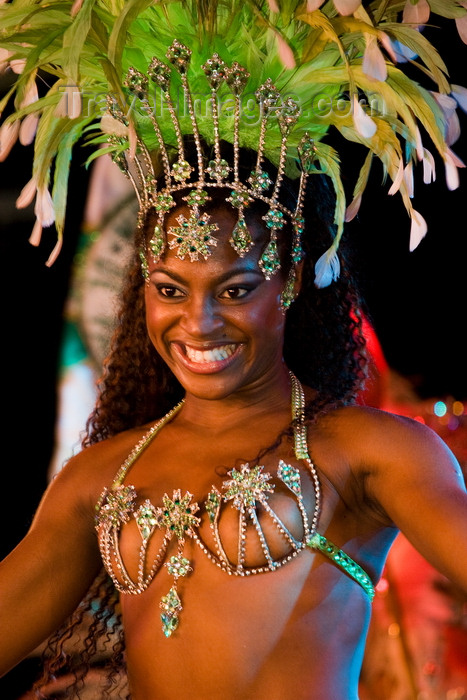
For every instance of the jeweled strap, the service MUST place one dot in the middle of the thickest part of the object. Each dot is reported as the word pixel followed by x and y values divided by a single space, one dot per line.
pixel 298 415
pixel 346 563
pixel 143 443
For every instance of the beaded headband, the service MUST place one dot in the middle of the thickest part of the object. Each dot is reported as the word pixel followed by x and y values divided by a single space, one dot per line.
pixel 193 237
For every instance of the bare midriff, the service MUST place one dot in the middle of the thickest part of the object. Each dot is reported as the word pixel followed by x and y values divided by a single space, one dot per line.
pixel 296 633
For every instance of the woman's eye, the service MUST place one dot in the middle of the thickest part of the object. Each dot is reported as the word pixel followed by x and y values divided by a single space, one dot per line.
pixel 235 293
pixel 168 291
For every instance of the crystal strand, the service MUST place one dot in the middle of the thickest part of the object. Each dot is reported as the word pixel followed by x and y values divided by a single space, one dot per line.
pixel 143 443
pixel 280 525
pixel 262 539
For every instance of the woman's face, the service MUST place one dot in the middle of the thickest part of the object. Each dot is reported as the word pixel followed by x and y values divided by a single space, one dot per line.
pixel 217 323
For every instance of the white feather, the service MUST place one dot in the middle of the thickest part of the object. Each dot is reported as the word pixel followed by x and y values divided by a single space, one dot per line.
pixel 353 208
pixel 36 233
pixel 459 93
pixel 374 65
pixel 54 254
pixel 461 24
pixel 28 128
pixel 429 168
pixel 327 268
pixel 398 179
pixel 416 14
pixel 27 194
pixel 346 7
pixel 418 229
pixel 364 124
pixel 312 5
pixel 44 208
pixel 452 176
pixel 8 136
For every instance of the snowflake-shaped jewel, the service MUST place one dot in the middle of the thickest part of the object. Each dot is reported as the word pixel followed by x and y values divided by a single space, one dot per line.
pixel 247 486
pixel 137 83
pixel 193 236
pixel 287 115
pixel 116 506
pixel 178 514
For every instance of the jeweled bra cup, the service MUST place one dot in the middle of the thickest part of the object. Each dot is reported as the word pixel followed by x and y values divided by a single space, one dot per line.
pixel 247 489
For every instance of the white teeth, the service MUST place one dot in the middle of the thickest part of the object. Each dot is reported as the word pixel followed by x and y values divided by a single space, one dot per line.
pixel 214 355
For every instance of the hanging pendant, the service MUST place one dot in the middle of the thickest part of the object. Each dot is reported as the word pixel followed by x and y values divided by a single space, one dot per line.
pixel 171 605
pixel 241 240
pixel 178 515
pixel 269 261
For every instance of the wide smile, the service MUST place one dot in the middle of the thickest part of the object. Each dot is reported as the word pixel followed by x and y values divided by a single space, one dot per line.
pixel 206 360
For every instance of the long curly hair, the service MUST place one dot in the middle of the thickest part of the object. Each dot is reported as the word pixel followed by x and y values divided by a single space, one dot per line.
pixel 323 346
pixel 323 343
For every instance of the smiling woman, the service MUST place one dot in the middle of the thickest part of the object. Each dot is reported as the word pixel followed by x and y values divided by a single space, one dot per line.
pixel 222 319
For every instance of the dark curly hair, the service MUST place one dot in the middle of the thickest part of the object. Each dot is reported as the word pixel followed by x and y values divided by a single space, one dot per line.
pixel 323 346
pixel 323 340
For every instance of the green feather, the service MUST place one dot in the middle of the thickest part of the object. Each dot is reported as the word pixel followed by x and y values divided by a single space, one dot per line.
pixel 74 39
pixel 69 137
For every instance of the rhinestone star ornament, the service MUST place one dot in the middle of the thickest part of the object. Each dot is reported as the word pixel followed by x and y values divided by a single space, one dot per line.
pixel 247 485
pixel 193 236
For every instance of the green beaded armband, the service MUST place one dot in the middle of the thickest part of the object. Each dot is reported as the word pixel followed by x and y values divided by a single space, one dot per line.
pixel 332 552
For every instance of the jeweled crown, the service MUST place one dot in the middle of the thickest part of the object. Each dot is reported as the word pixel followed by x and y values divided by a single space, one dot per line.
pixel 194 235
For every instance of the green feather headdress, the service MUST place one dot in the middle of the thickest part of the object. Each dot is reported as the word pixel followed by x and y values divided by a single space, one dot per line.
pixel 341 60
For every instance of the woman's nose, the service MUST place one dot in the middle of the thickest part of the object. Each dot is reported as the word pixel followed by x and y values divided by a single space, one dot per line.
pixel 201 317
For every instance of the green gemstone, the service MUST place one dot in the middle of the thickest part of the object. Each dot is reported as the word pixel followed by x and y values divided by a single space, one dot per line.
pixel 169 624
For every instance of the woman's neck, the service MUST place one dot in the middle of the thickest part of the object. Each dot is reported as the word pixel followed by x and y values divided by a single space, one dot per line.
pixel 270 395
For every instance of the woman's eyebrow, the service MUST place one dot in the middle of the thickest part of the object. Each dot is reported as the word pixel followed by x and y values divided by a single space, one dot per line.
pixel 224 277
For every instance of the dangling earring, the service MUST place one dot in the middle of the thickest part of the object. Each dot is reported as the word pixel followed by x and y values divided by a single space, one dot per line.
pixel 289 294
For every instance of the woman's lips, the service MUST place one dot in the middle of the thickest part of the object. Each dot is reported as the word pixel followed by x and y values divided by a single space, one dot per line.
pixel 206 360
pixel 223 352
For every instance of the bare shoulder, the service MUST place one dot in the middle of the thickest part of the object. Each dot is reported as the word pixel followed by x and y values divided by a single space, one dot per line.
pixel 370 437
pixel 95 467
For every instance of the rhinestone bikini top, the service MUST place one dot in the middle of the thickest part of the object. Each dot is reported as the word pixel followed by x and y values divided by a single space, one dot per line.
pixel 247 490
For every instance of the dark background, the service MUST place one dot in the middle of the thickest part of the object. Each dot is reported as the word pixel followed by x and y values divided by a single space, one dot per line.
pixel 414 300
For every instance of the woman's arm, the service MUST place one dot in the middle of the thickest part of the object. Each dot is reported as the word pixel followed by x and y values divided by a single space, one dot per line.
pixel 415 479
pixel 48 573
